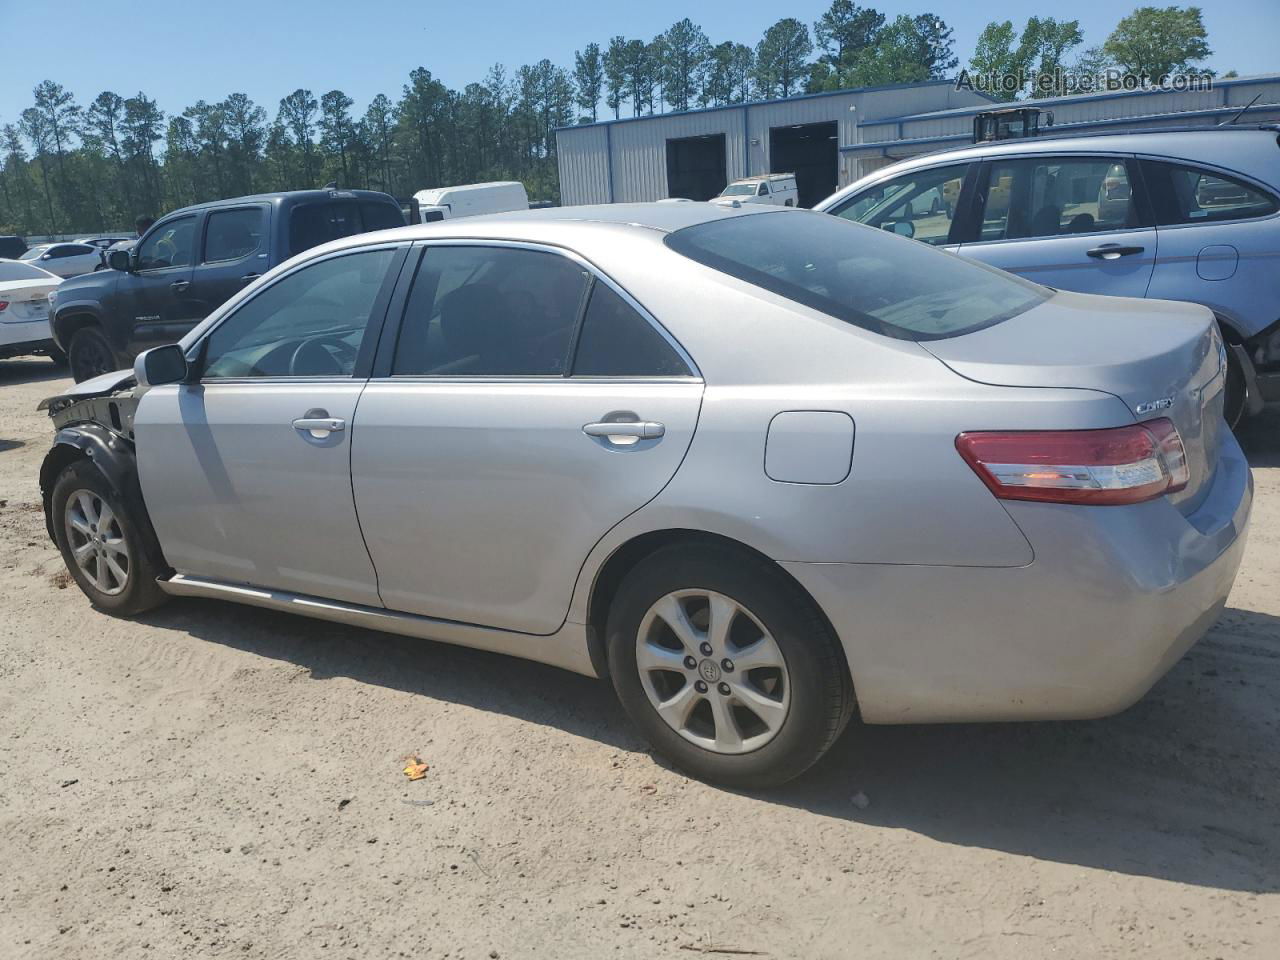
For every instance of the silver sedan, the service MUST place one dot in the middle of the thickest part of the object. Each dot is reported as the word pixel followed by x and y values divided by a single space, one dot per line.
pixel 761 467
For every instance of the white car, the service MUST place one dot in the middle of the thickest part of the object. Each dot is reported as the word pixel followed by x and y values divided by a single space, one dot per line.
pixel 65 259
pixel 776 189
pixel 24 310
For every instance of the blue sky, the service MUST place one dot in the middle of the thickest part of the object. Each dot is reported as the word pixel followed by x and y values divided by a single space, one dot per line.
pixel 180 51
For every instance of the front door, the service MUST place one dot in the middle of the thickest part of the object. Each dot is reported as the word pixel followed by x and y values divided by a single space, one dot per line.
pixel 154 296
pixel 1072 223
pixel 246 473
pixel 528 409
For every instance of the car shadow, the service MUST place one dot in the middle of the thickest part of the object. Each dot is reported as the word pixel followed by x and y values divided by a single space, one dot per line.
pixel 30 370
pixel 1177 787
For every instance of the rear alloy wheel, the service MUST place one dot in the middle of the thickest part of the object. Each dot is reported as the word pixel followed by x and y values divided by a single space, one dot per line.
pixel 726 666
pixel 90 354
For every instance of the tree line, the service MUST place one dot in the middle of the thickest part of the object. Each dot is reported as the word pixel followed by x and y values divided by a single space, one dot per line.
pixel 67 167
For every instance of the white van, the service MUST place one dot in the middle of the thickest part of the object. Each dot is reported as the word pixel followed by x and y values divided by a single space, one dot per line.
pixel 778 189
pixel 470 200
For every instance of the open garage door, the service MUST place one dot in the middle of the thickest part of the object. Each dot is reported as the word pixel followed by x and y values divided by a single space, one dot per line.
pixel 811 152
pixel 696 167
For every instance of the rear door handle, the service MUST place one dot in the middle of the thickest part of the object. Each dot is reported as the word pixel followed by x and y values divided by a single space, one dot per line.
pixel 320 427
pixel 180 285
pixel 640 429
pixel 1113 251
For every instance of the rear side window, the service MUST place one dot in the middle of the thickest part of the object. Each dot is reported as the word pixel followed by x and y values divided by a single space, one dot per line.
pixel 233 234
pixel 479 311
pixel 1183 194
pixel 616 341
pixel 311 224
pixel 380 216
pixel 866 277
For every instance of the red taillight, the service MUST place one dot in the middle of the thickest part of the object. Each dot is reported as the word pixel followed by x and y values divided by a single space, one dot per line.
pixel 1104 467
pixel 4 305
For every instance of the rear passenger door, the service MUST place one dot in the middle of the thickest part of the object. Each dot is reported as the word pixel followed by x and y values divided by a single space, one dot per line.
pixel 1074 223
pixel 1217 242
pixel 233 254
pixel 526 407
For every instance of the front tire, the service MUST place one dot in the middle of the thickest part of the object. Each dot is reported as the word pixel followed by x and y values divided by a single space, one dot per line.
pixel 726 666
pixel 90 355
pixel 105 541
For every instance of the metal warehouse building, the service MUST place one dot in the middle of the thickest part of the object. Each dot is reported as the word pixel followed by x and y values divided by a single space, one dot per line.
pixel 695 153
pixel 831 139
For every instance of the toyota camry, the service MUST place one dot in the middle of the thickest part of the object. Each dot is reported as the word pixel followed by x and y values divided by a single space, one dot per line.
pixel 761 467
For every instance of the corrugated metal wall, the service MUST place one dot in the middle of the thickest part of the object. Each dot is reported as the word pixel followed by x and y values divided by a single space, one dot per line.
pixel 639 147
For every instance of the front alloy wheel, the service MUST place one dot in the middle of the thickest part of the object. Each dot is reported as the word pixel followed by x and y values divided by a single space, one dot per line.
pixel 712 672
pixel 97 542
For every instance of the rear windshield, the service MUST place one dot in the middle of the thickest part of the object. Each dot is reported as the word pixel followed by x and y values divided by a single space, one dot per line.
pixel 14 270
pixel 867 277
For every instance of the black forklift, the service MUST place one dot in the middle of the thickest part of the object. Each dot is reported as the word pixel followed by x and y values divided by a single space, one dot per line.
pixel 1013 123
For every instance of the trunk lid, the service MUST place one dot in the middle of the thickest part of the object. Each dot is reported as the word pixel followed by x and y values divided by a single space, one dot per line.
pixel 1163 359
pixel 28 299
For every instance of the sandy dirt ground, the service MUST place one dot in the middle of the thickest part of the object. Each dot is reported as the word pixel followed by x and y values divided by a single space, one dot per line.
pixel 214 781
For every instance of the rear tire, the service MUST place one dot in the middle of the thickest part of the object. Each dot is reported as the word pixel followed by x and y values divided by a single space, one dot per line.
pixel 106 541
pixel 90 355
pixel 1235 393
pixel 722 720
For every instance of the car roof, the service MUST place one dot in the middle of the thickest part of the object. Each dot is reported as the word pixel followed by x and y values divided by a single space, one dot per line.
pixel 287 197
pixel 1252 150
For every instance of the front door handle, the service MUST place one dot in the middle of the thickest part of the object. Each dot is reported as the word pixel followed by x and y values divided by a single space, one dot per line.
pixel 249 277
pixel 1113 251
pixel 180 285
pixel 320 427
pixel 639 429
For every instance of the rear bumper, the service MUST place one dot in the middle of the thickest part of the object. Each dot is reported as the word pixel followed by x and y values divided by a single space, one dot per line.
pixel 1114 597
pixel 23 337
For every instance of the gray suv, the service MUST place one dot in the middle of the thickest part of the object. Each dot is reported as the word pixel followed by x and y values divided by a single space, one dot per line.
pixel 1177 215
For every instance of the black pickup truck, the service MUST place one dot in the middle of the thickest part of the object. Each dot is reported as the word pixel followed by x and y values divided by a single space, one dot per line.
pixel 192 261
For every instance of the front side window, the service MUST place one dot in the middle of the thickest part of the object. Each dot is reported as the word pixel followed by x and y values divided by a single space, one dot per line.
pixel 616 341
pixel 763 191
pixel 1037 197
pixel 1190 195
pixel 921 204
pixel 233 234
pixel 490 311
pixel 863 277
pixel 169 245
pixel 308 324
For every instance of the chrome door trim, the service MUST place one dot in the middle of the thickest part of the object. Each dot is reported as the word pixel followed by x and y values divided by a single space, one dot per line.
pixel 583 262
pixel 567 648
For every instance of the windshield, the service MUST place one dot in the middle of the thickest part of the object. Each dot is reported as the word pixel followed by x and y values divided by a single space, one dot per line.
pixel 739 190
pixel 13 270
pixel 867 277
pixel 33 254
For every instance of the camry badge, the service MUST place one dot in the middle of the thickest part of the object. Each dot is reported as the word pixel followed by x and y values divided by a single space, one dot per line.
pixel 1151 406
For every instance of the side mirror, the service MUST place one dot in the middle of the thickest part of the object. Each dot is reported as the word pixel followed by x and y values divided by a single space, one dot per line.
pixel 903 228
pixel 118 260
pixel 167 364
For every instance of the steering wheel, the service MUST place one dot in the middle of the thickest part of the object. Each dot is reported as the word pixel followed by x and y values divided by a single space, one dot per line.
pixel 312 359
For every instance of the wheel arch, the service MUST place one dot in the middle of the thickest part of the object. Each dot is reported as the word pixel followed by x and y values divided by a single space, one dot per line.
pixel 74 317
pixel 114 458
pixel 627 555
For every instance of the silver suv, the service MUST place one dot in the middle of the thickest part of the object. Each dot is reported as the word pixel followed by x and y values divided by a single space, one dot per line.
pixel 1176 215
